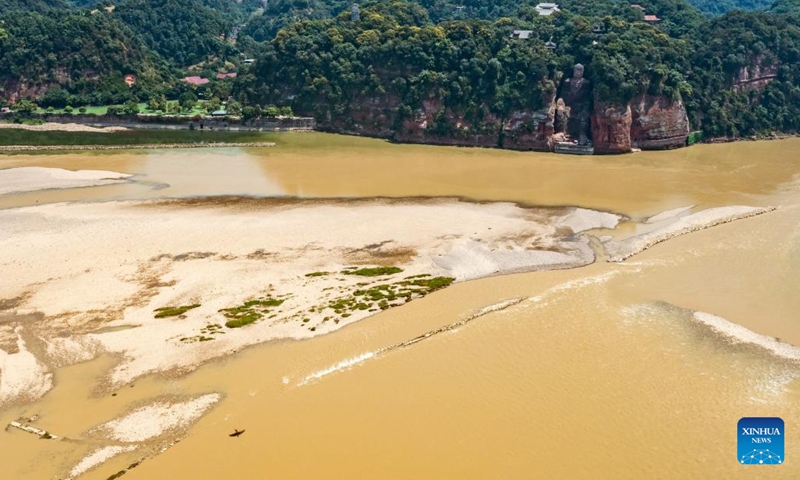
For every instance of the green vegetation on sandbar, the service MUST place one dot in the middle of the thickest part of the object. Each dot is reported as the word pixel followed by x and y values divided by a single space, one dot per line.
pixel 317 274
pixel 430 284
pixel 211 329
pixel 250 311
pixel 384 296
pixel 164 312
pixel 373 271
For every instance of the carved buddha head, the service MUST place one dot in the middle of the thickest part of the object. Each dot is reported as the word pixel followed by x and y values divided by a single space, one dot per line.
pixel 577 71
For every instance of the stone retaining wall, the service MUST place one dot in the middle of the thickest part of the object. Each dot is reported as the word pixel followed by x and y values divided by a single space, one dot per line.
pixel 174 122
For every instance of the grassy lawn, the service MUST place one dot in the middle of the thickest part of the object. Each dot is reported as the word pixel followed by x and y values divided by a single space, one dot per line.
pixel 198 109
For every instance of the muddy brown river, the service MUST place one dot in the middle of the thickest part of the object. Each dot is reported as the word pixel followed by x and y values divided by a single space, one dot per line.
pixel 596 372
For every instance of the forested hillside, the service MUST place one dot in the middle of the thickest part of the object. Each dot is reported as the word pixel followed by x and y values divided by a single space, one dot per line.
pixel 786 7
pixel 746 75
pixel 31 5
pixel 182 31
pixel 470 65
pixel 734 74
pixel 86 54
pixel 718 7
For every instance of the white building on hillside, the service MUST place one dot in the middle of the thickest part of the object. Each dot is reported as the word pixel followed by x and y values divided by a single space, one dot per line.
pixel 546 8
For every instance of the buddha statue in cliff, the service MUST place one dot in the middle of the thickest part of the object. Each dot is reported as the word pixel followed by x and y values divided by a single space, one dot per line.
pixel 576 97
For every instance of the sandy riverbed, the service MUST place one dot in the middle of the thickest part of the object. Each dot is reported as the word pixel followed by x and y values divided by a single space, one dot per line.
pixel 28 179
pixel 93 274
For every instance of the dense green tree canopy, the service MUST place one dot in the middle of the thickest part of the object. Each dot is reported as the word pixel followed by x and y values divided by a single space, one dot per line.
pixel 737 72
pixel 718 7
pixel 84 53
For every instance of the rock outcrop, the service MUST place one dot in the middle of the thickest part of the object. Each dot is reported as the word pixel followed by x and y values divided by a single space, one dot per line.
pixel 755 76
pixel 574 117
pixel 658 123
pixel 611 128
pixel 527 130
pixel 434 124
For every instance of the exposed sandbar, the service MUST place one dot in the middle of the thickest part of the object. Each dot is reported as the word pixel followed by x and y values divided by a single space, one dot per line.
pixel 92 269
pixel 97 457
pixel 27 179
pixel 623 249
pixel 153 420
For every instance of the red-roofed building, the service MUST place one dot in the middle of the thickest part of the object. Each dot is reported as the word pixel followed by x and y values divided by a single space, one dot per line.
pixel 651 19
pixel 130 80
pixel 223 76
pixel 196 80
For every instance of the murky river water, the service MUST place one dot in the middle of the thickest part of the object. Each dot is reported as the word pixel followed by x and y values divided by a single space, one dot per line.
pixel 598 372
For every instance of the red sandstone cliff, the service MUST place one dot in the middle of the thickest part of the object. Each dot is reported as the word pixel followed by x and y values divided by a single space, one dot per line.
pixel 431 124
pixel 658 123
pixel 647 122
pixel 531 130
pixel 611 128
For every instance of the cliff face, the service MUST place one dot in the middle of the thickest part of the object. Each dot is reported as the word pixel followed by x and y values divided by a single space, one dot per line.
pixel 374 116
pixel 431 124
pixel 611 128
pixel 527 130
pixel 755 76
pixel 658 123
pixel 647 122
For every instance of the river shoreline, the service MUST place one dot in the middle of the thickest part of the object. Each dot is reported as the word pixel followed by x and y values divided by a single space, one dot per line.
pixel 94 124
pixel 145 146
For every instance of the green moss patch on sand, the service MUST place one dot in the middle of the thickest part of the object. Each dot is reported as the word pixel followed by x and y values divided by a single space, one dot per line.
pixel 317 274
pixel 205 332
pixel 382 296
pixel 372 271
pixel 250 311
pixel 164 312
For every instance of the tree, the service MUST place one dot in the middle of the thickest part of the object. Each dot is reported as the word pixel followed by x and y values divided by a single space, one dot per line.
pixel 249 112
pixel 213 105
pixel 187 100
pixel 271 111
pixel 234 108
pixel 24 106
pixel 131 107
pixel 157 102
pixel 68 110
pixel 82 110
pixel 287 111
pixel 173 107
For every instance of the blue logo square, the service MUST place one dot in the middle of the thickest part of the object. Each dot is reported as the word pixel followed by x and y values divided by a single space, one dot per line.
pixel 761 441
